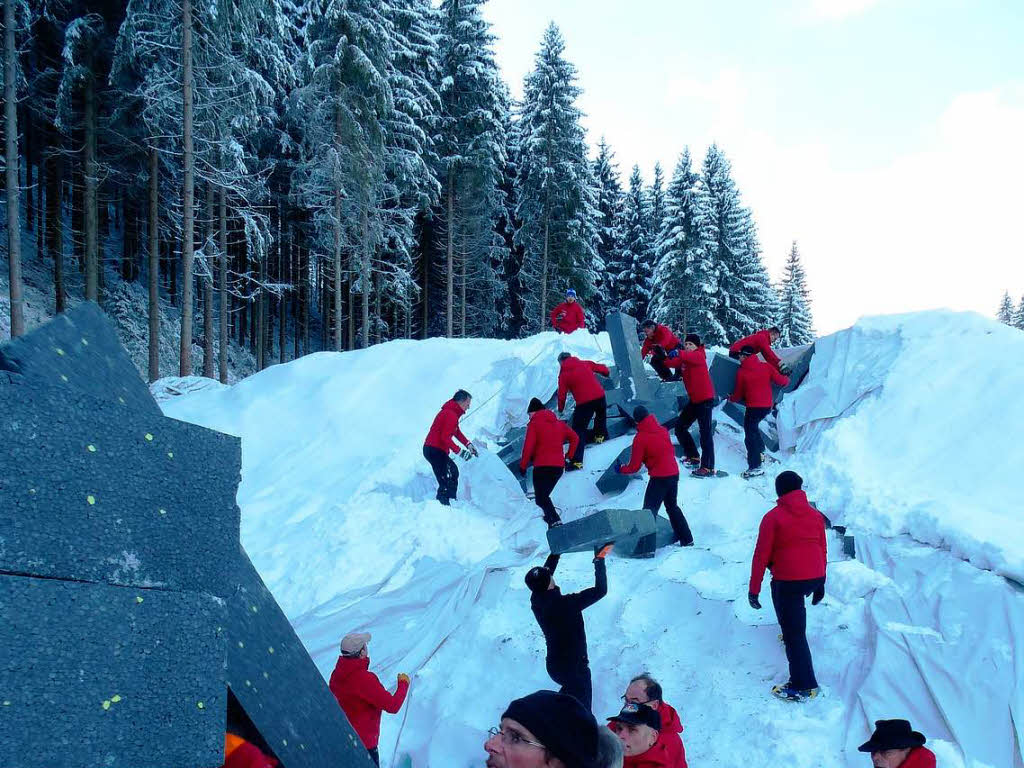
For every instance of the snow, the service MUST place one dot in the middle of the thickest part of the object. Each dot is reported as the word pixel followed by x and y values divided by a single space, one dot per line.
pixel 338 516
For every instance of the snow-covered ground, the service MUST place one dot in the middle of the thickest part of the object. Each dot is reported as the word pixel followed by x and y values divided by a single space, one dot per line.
pixel 339 517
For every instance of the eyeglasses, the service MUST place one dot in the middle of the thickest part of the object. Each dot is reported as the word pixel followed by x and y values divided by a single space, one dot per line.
pixel 634 701
pixel 513 739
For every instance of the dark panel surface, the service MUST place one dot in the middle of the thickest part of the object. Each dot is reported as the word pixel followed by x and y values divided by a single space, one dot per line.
pixel 599 528
pixel 626 349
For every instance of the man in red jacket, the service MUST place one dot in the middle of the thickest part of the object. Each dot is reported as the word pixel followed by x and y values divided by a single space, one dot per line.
pixel 660 345
pixel 360 693
pixel 577 377
pixel 440 442
pixel 894 744
pixel 568 316
pixel 762 342
pixel 694 364
pixel 653 447
pixel 545 436
pixel 646 691
pixel 753 388
pixel 791 543
pixel 638 729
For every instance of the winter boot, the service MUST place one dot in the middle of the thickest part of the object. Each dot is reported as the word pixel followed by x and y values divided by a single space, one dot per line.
pixel 692 461
pixel 599 439
pixel 756 472
pixel 703 472
pixel 572 466
pixel 788 693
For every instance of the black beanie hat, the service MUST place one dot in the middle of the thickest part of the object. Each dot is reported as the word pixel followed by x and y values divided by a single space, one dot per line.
pixel 538 578
pixel 561 724
pixel 787 482
pixel 692 338
pixel 534 406
pixel 640 413
pixel 748 350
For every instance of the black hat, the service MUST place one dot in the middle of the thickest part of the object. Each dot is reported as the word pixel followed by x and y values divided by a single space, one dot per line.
pixel 692 338
pixel 648 323
pixel 748 350
pixel 638 714
pixel 640 413
pixel 561 724
pixel 534 406
pixel 892 734
pixel 563 356
pixel 787 482
pixel 538 579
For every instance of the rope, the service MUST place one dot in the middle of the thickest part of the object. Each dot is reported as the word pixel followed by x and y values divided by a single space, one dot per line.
pixel 473 413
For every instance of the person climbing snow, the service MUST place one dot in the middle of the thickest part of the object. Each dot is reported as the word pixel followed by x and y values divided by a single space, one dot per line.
pixel 577 377
pixel 753 388
pixel 693 362
pixel 660 345
pixel 560 618
pixel 791 544
pixel 762 342
pixel 568 316
pixel 545 436
pixel 360 694
pixel 440 442
pixel 638 728
pixel 652 447
pixel 646 691
pixel 894 744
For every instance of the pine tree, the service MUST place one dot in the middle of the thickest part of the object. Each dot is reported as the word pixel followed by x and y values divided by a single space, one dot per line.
pixel 759 297
pixel 796 322
pixel 702 275
pixel 1005 313
pixel 656 204
pixel 638 252
pixel 1018 318
pixel 13 163
pixel 671 299
pixel 608 202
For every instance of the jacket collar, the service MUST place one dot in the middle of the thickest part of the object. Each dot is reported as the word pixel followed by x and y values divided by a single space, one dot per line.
pixel 793 499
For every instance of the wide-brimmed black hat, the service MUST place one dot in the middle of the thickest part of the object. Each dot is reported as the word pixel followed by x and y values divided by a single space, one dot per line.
pixel 892 734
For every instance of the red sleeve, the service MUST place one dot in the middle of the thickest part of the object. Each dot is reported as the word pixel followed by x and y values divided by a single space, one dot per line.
pixel 376 695
pixel 824 546
pixel 671 340
pixel 448 430
pixel 636 456
pixel 738 391
pixel 458 433
pixel 599 368
pixel 573 438
pixel 562 389
pixel 686 357
pixel 736 346
pixel 765 347
pixel 582 318
pixel 646 347
pixel 528 446
pixel 778 378
pixel 762 553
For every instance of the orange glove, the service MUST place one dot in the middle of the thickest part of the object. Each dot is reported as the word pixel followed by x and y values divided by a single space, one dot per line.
pixel 604 552
pixel 403 678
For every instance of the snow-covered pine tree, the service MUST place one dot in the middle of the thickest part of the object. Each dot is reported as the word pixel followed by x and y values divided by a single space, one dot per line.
pixel 513 316
pixel 556 191
pixel 702 278
pixel 1005 313
pixel 638 252
pixel 670 298
pixel 656 204
pixel 608 201
pixel 1018 317
pixel 796 322
pixel 761 298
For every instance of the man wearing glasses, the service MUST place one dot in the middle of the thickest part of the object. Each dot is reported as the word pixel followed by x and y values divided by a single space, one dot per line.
pixel 644 690
pixel 544 730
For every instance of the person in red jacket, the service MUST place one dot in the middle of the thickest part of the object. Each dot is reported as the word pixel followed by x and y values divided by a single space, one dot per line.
pixel 660 345
pixel 753 388
pixel 239 753
pixel 693 362
pixel 568 316
pixel 894 744
pixel 441 440
pixel 545 436
pixel 653 448
pixel 360 694
pixel 577 377
pixel 638 729
pixel 762 342
pixel 645 690
pixel 791 543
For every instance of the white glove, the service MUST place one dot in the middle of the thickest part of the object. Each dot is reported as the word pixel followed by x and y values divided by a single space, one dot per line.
pixel 472 449
pixel 465 455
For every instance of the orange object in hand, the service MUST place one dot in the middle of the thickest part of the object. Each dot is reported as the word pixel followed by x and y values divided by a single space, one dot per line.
pixel 604 551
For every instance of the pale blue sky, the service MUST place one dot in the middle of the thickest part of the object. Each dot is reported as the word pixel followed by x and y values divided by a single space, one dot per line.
pixel 884 135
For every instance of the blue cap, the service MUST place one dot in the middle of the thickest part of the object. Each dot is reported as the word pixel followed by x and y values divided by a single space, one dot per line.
pixel 569 293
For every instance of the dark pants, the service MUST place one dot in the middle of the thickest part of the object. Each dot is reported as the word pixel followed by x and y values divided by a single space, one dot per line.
pixel 752 435
pixel 788 598
pixel 574 681
pixel 596 409
pixel 544 481
pixel 663 490
pixel 663 371
pixel 445 471
pixel 375 756
pixel 701 413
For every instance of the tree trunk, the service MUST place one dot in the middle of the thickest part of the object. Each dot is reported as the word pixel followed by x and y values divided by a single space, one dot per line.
pixel 283 276
pixel 544 278
pixel 462 296
pixel 222 260
pixel 187 223
pixel 154 265
pixel 337 241
pixel 208 250
pixel 54 199
pixel 364 276
pixel 450 317
pixel 90 202
pixel 30 213
pixel 426 291
pixel 13 208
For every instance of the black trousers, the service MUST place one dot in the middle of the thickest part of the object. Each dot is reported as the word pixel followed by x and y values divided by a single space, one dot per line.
pixel 663 490
pixel 701 413
pixel 752 435
pixel 574 681
pixel 581 416
pixel 544 481
pixel 445 471
pixel 663 371
pixel 788 598
pixel 375 756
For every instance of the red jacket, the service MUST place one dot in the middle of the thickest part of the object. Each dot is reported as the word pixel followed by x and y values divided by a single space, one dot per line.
pixel 658 756
pixel 571 317
pixel 239 753
pixel 919 757
pixel 790 542
pixel 696 377
pixel 754 382
pixel 577 376
pixel 446 426
pixel 363 698
pixel 671 727
pixel 762 342
pixel 545 436
pixel 663 337
pixel 653 447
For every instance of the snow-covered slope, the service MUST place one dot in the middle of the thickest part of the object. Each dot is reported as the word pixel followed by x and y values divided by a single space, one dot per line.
pixel 339 517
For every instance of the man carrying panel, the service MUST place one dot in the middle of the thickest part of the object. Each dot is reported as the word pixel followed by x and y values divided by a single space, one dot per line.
pixel 693 362
pixel 577 377
pixel 762 342
pixel 545 436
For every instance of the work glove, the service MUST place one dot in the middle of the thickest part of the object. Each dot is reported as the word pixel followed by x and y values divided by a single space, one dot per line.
pixel 734 355
pixel 754 602
pixel 465 455
pixel 403 678
pixel 472 449
pixel 601 552
pixel 659 354
pixel 818 595
pixel 674 353
pixel 521 471
pixel 784 369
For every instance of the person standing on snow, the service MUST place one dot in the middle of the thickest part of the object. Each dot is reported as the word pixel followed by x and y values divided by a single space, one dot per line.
pixel 653 447
pixel 560 618
pixel 791 543
pixel 360 694
pixel 544 730
pixel 660 345
pixel 895 745
pixel 568 316
pixel 577 377
pixel 753 388
pixel 638 728
pixel 440 442
pixel 545 436
pixel 761 342
pixel 693 362
pixel 644 690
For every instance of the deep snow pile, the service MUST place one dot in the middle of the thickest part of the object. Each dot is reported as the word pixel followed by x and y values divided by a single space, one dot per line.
pixel 339 517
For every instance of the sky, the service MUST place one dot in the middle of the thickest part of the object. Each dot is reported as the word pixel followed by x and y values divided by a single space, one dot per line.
pixel 886 137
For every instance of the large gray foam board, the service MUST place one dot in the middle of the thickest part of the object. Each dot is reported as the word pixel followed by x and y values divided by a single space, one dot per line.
pixel 626 349
pixel 598 528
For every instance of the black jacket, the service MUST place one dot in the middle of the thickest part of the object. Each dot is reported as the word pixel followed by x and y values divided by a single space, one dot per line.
pixel 561 617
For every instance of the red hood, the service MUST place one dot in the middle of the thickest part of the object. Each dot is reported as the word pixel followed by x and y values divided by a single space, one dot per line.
pixel 670 719
pixel 543 416
pixel 348 666
pixel 648 424
pixel 794 501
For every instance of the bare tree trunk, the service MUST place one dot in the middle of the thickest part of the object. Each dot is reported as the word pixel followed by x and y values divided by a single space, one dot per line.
pixel 187 223
pixel 208 248
pixel 283 270
pixel 154 265
pixel 90 202
pixel 54 199
pixel 26 123
pixel 13 207
pixel 364 276
pixel 224 296
pixel 450 318
pixel 544 277
pixel 462 296
pixel 261 320
pixel 426 292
